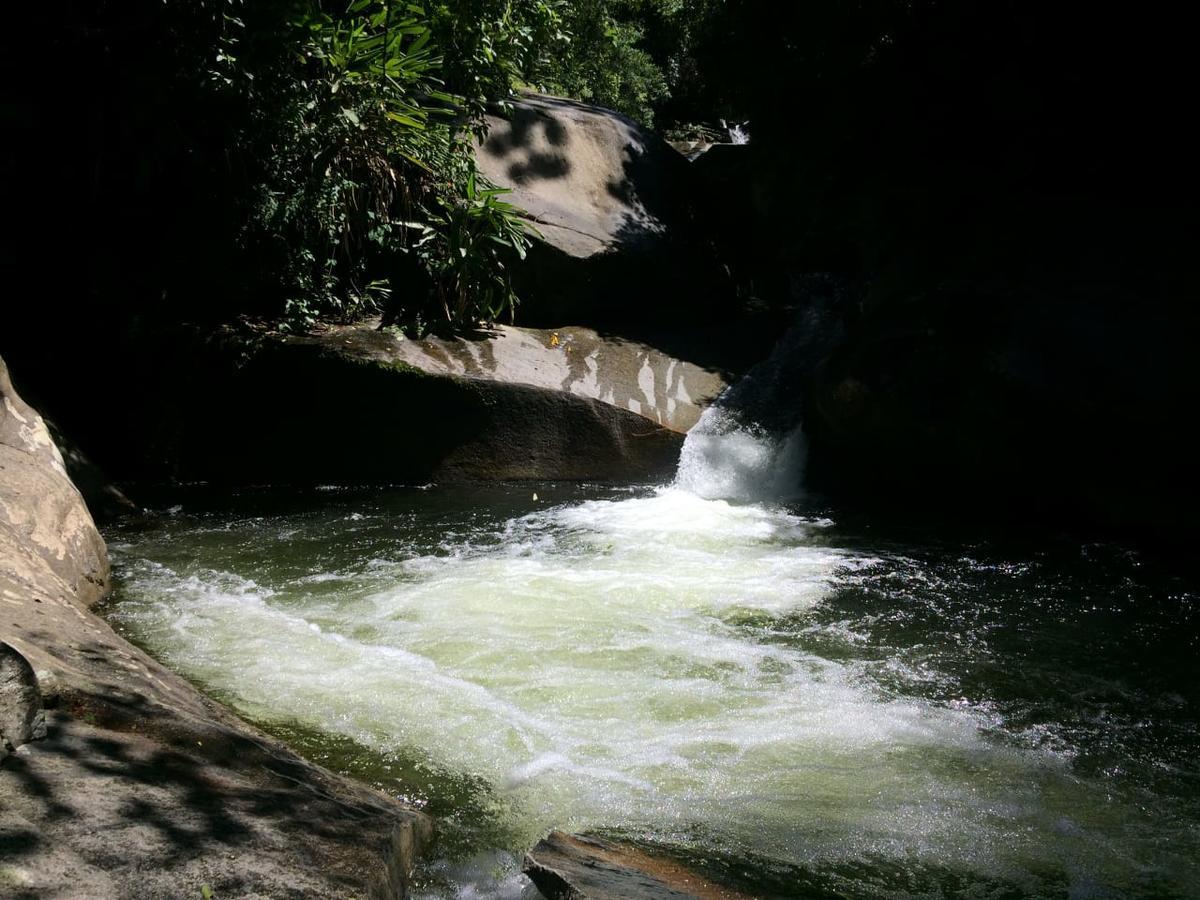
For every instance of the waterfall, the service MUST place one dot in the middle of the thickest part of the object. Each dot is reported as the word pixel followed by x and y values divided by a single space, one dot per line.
pixel 726 458
pixel 749 445
pixel 737 132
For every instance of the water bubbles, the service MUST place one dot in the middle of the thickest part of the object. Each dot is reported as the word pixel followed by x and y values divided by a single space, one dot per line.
pixel 666 664
pixel 725 459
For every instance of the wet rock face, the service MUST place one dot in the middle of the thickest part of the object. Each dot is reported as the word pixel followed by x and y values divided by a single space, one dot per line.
pixel 21 716
pixel 573 867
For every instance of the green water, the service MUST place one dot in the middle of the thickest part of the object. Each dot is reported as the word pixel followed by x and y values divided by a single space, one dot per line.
pixel 798 703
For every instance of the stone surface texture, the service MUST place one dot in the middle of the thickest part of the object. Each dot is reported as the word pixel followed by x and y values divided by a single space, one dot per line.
pixel 142 787
pixel 356 405
pixel 568 166
pixel 620 244
pixel 22 718
pixel 575 867
pixel 578 361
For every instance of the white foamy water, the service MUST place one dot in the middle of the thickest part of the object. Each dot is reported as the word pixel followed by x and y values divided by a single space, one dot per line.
pixel 722 459
pixel 611 663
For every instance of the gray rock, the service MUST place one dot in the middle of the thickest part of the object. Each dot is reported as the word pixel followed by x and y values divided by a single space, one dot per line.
pixel 620 244
pixel 21 716
pixel 568 166
pixel 574 867
pixel 105 500
pixel 44 523
pixel 142 787
pixel 625 374
pixel 355 405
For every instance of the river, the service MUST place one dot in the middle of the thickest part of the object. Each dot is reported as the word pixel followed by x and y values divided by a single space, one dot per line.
pixel 800 702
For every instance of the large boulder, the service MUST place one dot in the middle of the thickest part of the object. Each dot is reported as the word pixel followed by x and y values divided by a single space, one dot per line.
pixel 132 783
pixel 624 374
pixel 21 716
pixel 613 203
pixel 356 405
pixel 45 528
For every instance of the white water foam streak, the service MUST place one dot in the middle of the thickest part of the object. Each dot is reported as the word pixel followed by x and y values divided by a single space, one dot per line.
pixel 723 458
pixel 605 664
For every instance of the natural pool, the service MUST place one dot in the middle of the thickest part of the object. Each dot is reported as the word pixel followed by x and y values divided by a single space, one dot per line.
pixel 808 707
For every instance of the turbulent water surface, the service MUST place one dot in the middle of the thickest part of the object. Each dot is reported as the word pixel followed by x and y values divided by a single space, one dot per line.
pixel 803 706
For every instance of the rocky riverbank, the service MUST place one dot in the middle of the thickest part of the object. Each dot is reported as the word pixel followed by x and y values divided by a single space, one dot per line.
pixel 120 779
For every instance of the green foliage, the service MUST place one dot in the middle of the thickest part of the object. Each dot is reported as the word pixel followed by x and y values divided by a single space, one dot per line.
pixel 490 46
pixel 466 245
pixel 631 55
pixel 301 160
pixel 353 127
pixel 606 63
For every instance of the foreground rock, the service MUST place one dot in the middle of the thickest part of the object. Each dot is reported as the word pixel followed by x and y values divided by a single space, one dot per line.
pixel 132 784
pixel 573 867
pixel 46 531
pixel 21 716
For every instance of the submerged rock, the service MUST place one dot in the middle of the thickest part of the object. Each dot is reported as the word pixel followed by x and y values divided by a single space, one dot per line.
pixel 141 786
pixel 574 867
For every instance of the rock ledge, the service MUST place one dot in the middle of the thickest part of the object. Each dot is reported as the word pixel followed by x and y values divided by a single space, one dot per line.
pixel 131 783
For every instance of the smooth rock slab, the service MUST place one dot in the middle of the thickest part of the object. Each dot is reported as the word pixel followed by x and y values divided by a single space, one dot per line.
pixel 625 374
pixel 618 240
pixel 21 717
pixel 137 785
pixel 573 867
pixel 356 405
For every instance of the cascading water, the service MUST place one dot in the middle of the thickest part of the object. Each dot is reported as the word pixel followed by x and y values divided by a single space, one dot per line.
pixel 700 666
pixel 749 445
pixel 723 458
